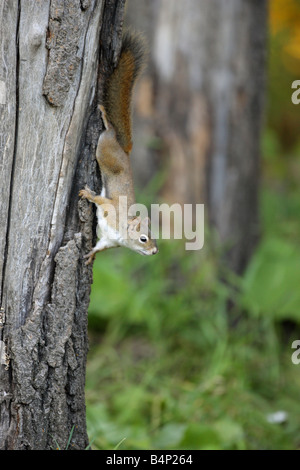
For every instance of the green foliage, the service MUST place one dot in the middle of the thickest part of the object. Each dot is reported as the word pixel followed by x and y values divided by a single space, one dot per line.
pixel 271 284
pixel 166 368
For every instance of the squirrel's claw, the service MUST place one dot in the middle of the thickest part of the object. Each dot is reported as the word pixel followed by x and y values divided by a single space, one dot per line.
pixel 83 193
pixel 87 193
pixel 90 257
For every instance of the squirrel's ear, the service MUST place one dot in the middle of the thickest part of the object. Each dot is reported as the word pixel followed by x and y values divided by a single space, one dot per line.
pixel 134 224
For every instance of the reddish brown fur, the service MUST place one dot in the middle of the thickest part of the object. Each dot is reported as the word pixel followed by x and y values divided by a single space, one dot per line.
pixel 119 86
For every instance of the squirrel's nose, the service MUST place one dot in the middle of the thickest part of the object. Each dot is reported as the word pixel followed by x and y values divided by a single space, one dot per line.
pixel 155 250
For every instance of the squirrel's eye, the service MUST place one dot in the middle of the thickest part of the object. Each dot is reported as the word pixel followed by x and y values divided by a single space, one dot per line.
pixel 143 239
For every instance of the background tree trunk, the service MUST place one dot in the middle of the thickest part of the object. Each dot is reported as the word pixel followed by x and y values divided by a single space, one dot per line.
pixel 204 96
pixel 48 91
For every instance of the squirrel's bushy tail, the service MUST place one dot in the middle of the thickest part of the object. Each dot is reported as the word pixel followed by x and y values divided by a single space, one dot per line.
pixel 118 89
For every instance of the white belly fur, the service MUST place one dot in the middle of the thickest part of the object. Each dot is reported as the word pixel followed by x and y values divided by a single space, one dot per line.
pixel 108 236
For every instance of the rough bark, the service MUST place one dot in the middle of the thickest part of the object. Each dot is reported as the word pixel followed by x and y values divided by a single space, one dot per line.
pixel 204 95
pixel 49 129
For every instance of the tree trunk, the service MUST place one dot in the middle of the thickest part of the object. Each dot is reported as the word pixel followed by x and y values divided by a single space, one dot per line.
pixel 49 130
pixel 204 93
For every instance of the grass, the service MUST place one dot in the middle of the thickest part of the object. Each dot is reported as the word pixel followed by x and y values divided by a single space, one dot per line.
pixel 166 370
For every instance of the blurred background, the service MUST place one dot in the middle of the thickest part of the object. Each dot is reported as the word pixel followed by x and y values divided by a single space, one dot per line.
pixel 192 349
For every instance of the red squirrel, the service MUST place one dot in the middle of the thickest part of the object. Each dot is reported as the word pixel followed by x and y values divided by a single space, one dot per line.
pixel 115 225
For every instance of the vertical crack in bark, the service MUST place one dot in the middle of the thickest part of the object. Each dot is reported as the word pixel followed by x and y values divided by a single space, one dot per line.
pixel 7 421
pixel 14 151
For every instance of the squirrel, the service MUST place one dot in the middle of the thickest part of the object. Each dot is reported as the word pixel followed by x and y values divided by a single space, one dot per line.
pixel 115 225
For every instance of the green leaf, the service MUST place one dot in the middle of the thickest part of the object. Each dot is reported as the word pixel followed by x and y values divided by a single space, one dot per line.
pixel 271 282
pixel 231 434
pixel 169 436
pixel 200 437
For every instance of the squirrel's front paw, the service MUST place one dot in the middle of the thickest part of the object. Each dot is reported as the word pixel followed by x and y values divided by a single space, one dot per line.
pixel 87 193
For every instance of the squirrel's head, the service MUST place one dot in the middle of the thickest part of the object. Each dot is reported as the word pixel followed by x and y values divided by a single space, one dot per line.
pixel 140 239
